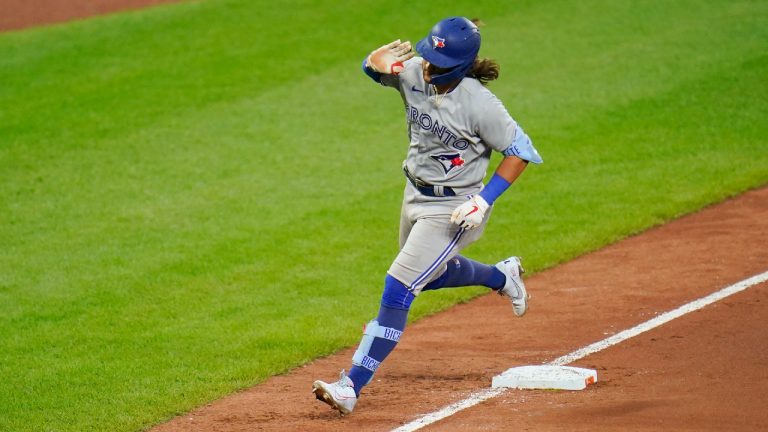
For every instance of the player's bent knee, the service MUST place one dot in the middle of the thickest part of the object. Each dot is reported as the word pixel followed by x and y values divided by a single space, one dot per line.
pixel 396 295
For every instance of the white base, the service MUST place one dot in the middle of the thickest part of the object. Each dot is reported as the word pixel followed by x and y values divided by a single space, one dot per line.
pixel 546 377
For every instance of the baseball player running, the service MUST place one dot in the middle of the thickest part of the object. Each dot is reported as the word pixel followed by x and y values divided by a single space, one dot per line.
pixel 454 123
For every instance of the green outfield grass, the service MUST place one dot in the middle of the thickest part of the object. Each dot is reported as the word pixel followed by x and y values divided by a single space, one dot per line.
pixel 198 196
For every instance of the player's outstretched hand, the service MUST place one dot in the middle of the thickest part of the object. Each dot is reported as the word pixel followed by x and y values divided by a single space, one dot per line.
pixel 470 214
pixel 389 58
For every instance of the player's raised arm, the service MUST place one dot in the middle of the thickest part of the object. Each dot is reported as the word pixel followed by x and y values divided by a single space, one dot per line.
pixel 387 59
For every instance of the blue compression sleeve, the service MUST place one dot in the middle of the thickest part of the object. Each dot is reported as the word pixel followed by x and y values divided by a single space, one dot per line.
pixel 396 295
pixel 495 187
pixel 393 314
pixel 461 271
pixel 371 73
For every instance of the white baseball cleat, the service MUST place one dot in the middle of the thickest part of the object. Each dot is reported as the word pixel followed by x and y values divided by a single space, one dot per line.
pixel 514 289
pixel 340 395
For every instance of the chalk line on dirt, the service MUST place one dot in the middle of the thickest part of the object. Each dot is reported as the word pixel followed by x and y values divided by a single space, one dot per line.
pixel 483 395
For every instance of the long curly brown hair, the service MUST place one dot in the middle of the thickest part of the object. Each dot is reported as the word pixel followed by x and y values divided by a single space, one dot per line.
pixel 484 70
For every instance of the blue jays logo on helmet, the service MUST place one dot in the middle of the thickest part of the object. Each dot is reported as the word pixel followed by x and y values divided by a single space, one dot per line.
pixel 453 44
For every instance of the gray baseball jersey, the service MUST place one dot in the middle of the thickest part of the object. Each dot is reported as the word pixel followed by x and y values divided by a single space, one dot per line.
pixel 452 135
pixel 451 138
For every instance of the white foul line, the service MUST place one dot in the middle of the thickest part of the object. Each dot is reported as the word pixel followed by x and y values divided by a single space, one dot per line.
pixel 484 395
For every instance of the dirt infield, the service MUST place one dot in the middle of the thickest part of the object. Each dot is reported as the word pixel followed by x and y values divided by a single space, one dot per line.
pixel 19 14
pixel 703 371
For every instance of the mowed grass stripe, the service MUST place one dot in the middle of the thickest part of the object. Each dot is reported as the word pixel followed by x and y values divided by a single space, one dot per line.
pixel 678 152
pixel 185 250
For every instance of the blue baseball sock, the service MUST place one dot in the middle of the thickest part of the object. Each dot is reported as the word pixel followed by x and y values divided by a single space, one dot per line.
pixel 393 314
pixel 462 271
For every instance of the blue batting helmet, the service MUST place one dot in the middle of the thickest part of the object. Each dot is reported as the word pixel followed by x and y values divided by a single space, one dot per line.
pixel 453 44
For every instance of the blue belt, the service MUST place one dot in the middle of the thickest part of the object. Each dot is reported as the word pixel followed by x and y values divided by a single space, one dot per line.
pixel 428 189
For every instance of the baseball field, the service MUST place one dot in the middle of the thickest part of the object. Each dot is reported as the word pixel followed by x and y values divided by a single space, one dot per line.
pixel 199 201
